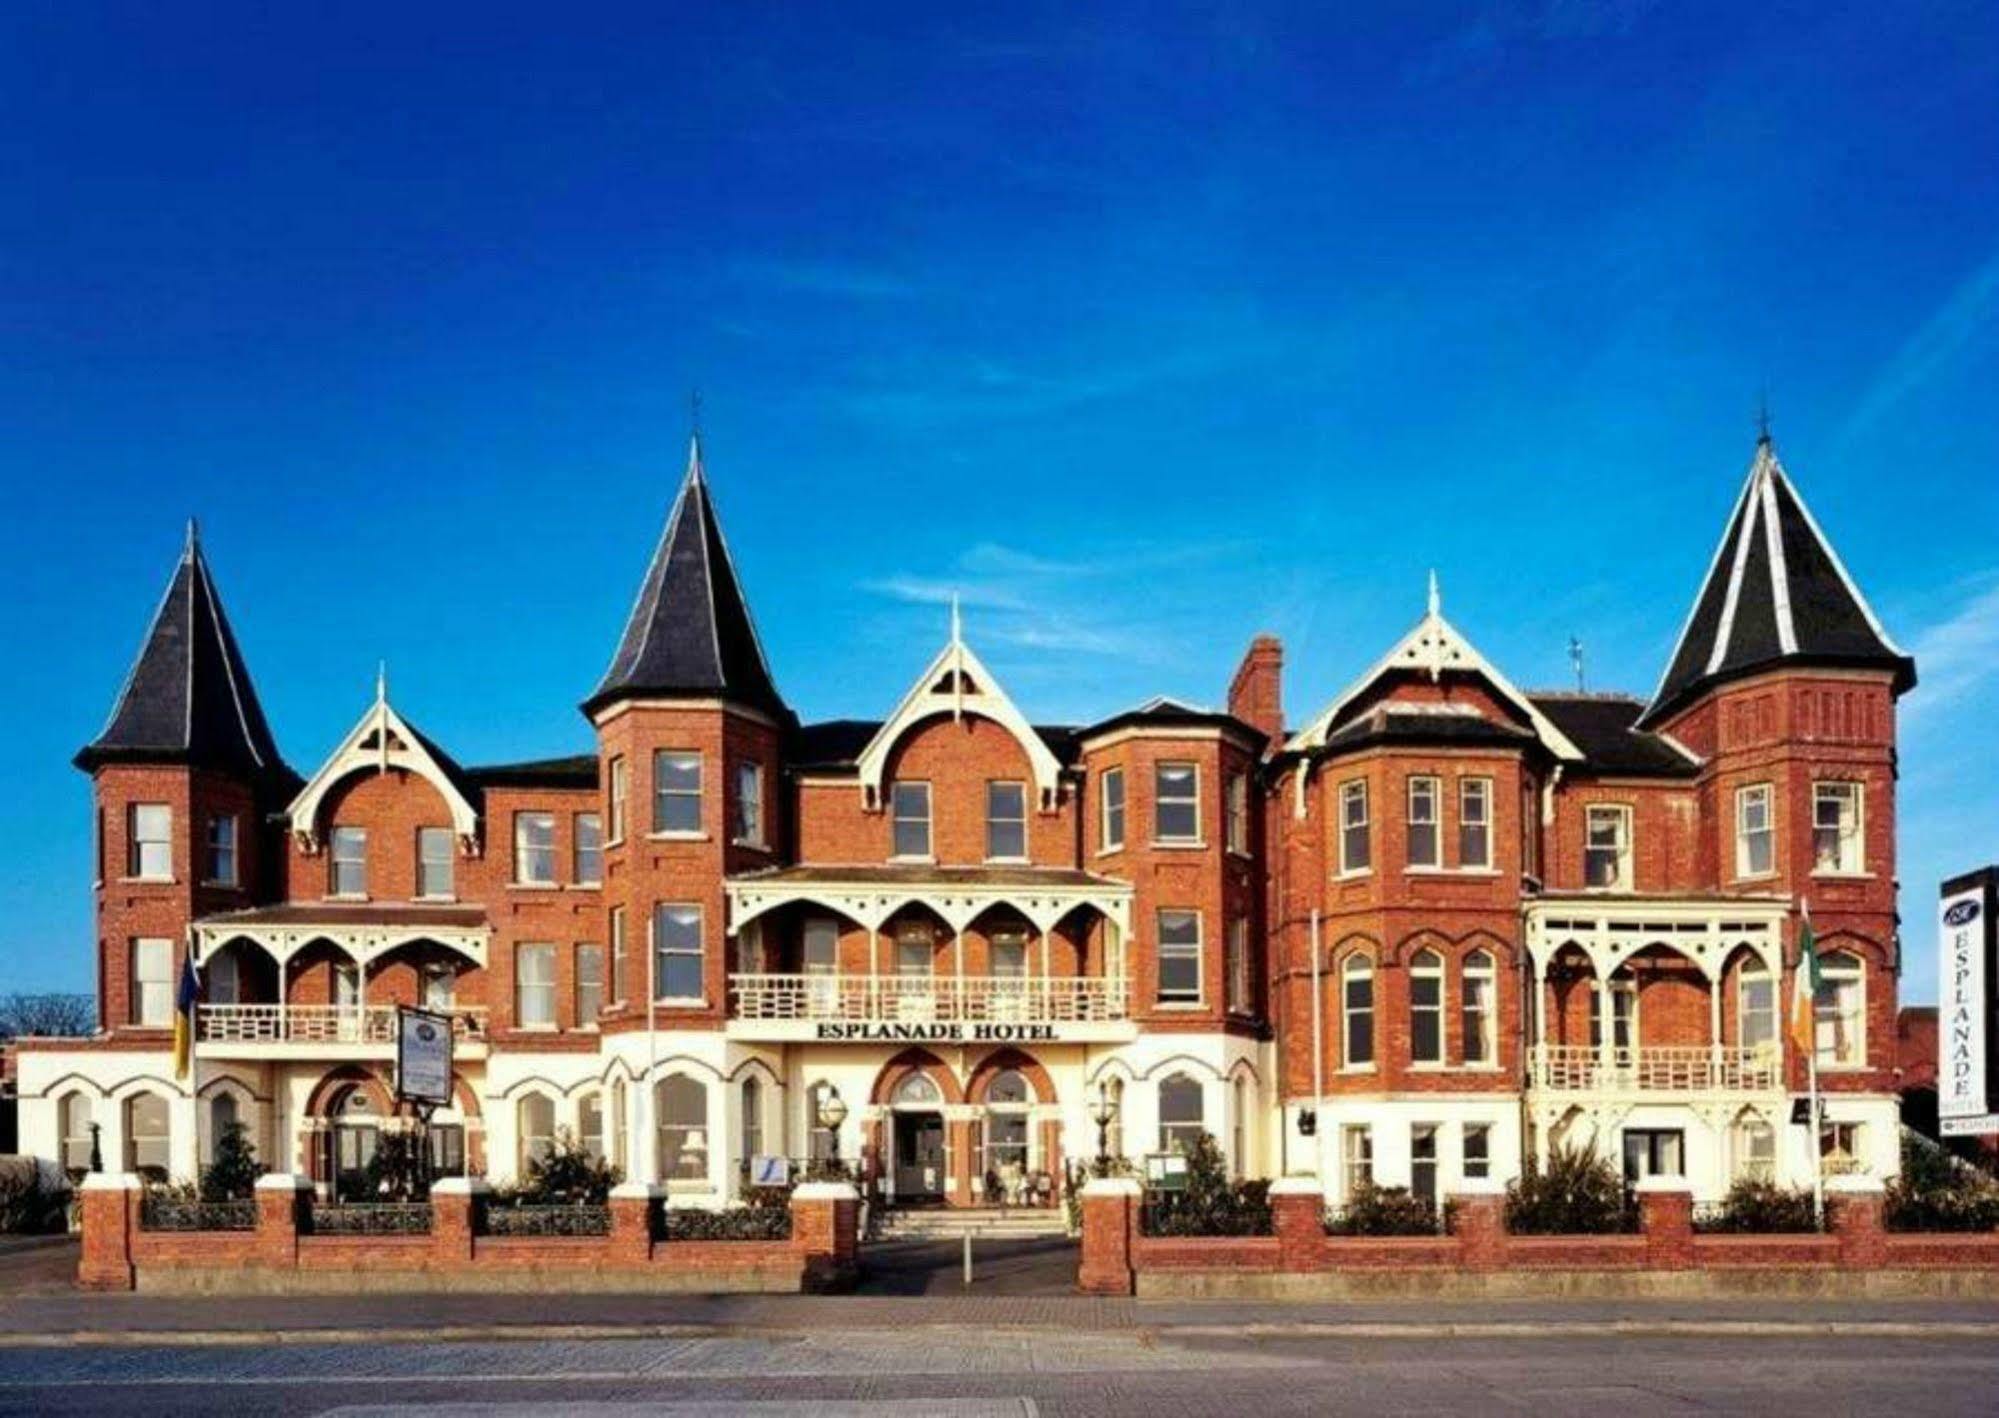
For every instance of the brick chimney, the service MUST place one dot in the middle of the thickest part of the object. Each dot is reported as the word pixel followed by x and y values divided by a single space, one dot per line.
pixel 1256 694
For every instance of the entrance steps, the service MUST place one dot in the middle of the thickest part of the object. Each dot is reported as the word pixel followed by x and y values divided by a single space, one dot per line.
pixel 983 1222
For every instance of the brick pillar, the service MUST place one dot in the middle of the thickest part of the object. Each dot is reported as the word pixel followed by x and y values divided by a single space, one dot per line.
pixel 632 1208
pixel 282 1200
pixel 1478 1220
pixel 457 1206
pixel 1666 1216
pixel 958 1144
pixel 1298 1219
pixel 110 1221
pixel 1854 1207
pixel 825 1229
pixel 1110 1215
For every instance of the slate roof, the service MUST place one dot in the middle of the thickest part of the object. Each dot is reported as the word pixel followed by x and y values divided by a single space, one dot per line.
pixel 834 745
pixel 350 915
pixel 1604 727
pixel 575 771
pixel 1775 594
pixel 188 698
pixel 1173 713
pixel 690 633
pixel 1387 724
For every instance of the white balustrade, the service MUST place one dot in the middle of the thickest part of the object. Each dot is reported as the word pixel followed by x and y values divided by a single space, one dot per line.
pixel 315 1024
pixel 927 999
pixel 1690 1068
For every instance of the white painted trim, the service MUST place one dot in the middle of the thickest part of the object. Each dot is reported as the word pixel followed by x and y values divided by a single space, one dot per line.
pixel 351 758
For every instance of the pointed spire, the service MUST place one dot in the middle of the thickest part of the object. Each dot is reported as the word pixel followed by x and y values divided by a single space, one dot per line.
pixel 689 634
pixel 188 697
pixel 1775 593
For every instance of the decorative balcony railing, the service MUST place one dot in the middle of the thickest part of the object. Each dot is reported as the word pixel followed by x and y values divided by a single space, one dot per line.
pixel 316 1024
pixel 942 999
pixel 1691 1068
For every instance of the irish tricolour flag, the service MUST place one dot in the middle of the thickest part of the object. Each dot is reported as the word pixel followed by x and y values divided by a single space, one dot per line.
pixel 1805 987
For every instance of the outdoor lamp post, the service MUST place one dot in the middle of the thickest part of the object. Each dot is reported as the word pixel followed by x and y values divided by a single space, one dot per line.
pixel 1103 1112
pixel 96 1151
pixel 832 1112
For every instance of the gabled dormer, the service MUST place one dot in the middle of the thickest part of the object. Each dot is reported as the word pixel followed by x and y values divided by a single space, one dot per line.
pixel 690 635
pixel 1776 593
pixel 383 742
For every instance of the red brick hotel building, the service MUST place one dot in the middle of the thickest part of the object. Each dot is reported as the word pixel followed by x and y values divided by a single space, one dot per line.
pixel 1528 918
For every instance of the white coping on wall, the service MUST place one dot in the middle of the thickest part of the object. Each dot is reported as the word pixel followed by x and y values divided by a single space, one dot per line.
pixel 1297 1186
pixel 1662 1186
pixel 1855 1184
pixel 1112 1186
pixel 283 1182
pixel 824 1191
pixel 637 1191
pixel 111 1182
pixel 460 1186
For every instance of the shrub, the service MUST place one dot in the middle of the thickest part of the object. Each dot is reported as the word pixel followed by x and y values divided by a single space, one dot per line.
pixel 1383 1211
pixel 1211 1204
pixel 32 1199
pixel 399 1169
pixel 568 1172
pixel 1578 1194
pixel 1760 1207
pixel 1938 1192
pixel 736 1223
pixel 232 1175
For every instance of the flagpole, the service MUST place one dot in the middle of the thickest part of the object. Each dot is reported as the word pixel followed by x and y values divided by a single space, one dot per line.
pixel 1318 1064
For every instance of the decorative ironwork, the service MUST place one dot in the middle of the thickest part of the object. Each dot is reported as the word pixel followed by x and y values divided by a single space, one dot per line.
pixel 165 1213
pixel 559 1220
pixel 737 1223
pixel 372 1218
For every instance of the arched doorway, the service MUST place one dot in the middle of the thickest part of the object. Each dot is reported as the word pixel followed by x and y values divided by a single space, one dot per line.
pixel 353 1135
pixel 919 1168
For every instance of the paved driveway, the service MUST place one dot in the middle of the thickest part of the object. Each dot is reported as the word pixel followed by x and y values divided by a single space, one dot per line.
pixel 1038 1265
pixel 37 1265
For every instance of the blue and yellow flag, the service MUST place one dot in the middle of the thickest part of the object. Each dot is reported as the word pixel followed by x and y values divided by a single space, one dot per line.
pixel 184 1002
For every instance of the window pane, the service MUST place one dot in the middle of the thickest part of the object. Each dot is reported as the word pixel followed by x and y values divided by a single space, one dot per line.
pixel 151 831
pixel 534 985
pixel 676 779
pixel 1179 956
pixel 589 983
pixel 909 807
pixel 435 865
pixel 534 848
pixel 1423 822
pixel 347 850
pixel 677 947
pixel 1475 823
pixel 1354 853
pixel 1478 1150
pixel 1006 820
pixel 589 829
pixel 1114 807
pixel 222 850
pixel 749 803
pixel 1176 812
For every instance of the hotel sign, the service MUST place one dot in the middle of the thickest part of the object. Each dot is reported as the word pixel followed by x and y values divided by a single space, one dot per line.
pixel 933 1031
pixel 952 1033
pixel 1968 977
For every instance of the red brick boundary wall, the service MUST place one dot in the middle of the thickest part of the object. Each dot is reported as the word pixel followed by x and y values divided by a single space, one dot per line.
pixel 281 1254
pixel 1118 1260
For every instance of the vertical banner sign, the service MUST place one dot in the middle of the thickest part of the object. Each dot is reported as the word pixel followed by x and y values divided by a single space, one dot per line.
pixel 423 1057
pixel 1968 977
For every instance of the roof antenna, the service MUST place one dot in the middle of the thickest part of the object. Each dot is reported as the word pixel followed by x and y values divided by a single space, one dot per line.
pixel 694 468
pixel 1576 659
pixel 193 537
pixel 1763 417
pixel 1436 596
pixel 381 681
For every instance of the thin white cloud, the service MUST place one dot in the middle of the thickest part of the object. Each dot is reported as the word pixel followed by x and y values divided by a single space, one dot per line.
pixel 1970 312
pixel 1955 657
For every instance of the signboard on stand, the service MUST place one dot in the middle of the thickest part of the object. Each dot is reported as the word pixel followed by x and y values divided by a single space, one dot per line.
pixel 1967 1029
pixel 423 1058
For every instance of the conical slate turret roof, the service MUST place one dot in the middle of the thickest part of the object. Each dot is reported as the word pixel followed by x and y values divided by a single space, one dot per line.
pixel 690 633
pixel 188 698
pixel 1776 593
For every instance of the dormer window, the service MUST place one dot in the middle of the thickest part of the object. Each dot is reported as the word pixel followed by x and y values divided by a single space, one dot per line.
pixel 1006 822
pixel 151 852
pixel 347 861
pixel 909 816
pixel 1607 847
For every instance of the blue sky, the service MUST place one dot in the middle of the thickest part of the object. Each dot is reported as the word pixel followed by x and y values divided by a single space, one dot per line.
pixel 1144 327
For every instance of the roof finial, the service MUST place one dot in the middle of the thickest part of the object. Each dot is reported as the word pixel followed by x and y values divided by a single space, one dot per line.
pixel 193 543
pixel 1576 659
pixel 1763 418
pixel 694 468
pixel 957 622
pixel 381 681
pixel 1436 596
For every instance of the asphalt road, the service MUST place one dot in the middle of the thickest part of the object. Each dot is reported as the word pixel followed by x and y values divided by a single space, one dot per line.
pixel 897 1374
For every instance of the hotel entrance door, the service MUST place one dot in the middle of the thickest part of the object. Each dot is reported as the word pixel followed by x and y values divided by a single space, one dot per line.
pixel 919 1158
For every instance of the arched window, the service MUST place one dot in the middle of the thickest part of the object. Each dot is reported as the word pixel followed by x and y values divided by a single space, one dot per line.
pixel 682 1106
pixel 351 1142
pixel 1357 1012
pixel 752 1141
pixel 1840 1011
pixel 1754 1145
pixel 536 1112
pixel 1005 1134
pixel 1009 1086
pixel 148 1136
pixel 917 1091
pixel 1478 1008
pixel 1426 1008
pixel 222 1116
pixel 1755 1006
pixel 1181 1120
pixel 74 1115
pixel 590 1124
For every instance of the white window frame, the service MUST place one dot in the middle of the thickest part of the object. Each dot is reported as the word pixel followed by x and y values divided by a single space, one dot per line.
pixel 533 1142
pixel 587 1010
pixel 1475 1164
pixel 677 1134
pixel 1356 1158
pixel 534 979
pixel 1848 828
pixel 534 863
pixel 994 819
pixel 617 794
pixel 1745 1163
pixel 149 842
pixel 615 922
pixel 1618 816
pixel 74 1114
pixel 1357 968
pixel 1426 967
pixel 425 865
pixel 1180 999
pixel 1110 810
pixel 1424 784
pixel 1478 999
pixel 586 860
pixel 749 820
pixel 1842 975
pixel 590 1134
pixel 1474 824
pixel 661 950
pixel 1354 819
pixel 1189 801
pixel 339 860
pixel 1236 947
pixel 152 981
pixel 1748 796
pixel 899 816
pixel 224 865
pixel 662 795
pixel 1752 974
pixel 1237 834
pixel 1173 1129
pixel 1426 1137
